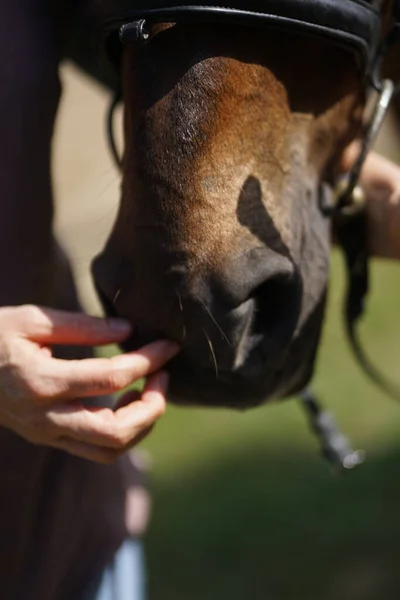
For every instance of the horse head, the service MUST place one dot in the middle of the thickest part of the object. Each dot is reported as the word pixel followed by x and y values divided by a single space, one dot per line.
pixel 232 134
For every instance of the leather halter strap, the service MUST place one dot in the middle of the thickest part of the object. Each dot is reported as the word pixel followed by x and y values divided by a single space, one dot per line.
pixel 353 24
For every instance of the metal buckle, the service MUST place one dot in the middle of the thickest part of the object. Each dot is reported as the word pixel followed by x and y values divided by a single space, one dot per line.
pixel 136 31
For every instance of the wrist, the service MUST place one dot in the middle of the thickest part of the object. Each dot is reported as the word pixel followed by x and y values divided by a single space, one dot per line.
pixel 383 211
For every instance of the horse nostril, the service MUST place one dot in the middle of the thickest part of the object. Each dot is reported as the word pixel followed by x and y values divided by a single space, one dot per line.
pixel 277 307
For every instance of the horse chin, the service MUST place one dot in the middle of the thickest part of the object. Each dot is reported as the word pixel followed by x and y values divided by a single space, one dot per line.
pixel 228 391
pixel 257 380
pixel 245 388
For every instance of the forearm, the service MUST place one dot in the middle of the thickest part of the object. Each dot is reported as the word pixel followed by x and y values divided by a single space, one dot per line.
pixel 384 225
pixel 381 182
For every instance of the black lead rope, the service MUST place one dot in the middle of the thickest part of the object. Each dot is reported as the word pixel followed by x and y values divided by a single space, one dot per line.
pixel 335 446
pixel 351 232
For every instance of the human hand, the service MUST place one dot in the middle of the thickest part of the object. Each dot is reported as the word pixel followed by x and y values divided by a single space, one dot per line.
pixel 380 180
pixel 41 396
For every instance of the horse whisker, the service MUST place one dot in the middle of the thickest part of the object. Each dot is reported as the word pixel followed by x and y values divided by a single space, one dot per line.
pixel 115 299
pixel 216 323
pixel 212 353
pixel 106 188
pixel 183 322
pixel 180 301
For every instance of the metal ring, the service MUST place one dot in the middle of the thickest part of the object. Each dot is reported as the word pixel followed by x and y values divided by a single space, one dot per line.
pixel 137 31
pixel 347 195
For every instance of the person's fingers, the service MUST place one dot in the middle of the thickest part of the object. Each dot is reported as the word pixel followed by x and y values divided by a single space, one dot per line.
pixel 98 454
pixel 49 326
pixel 104 456
pixel 58 379
pixel 144 412
pixel 117 430
pixel 127 398
pixel 139 438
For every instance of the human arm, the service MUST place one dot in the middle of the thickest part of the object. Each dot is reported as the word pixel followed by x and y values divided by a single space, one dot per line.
pixel 380 180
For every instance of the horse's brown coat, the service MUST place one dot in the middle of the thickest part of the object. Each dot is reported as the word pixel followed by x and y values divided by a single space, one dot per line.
pixel 228 134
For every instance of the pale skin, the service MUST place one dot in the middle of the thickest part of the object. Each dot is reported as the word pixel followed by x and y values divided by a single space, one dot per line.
pixel 41 396
pixel 380 180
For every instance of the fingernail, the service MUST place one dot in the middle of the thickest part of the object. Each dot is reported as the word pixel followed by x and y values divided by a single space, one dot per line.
pixel 119 326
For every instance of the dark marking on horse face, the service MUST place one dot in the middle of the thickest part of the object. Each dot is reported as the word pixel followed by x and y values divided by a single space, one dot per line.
pixel 252 214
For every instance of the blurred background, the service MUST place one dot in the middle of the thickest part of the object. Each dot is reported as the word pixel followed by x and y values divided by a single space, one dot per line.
pixel 244 506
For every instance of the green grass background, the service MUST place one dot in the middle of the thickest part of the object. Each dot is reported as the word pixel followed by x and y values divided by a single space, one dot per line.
pixel 245 508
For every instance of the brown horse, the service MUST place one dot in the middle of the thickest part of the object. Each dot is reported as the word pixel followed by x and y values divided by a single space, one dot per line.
pixel 220 242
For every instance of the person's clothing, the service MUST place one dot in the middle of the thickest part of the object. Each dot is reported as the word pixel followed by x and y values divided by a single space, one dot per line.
pixel 123 578
pixel 61 518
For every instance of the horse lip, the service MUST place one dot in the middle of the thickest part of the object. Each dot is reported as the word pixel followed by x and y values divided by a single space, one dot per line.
pixel 249 361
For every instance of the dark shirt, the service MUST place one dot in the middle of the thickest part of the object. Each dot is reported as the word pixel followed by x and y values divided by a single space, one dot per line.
pixel 61 520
